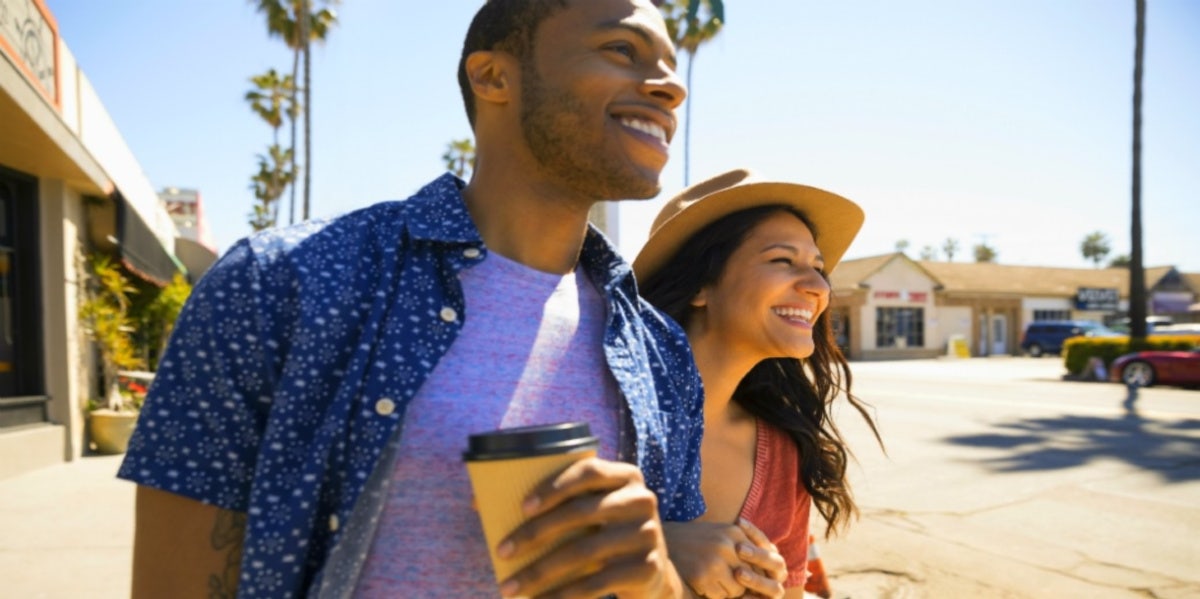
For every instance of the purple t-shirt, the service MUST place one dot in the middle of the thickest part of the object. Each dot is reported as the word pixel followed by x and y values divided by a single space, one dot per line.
pixel 530 352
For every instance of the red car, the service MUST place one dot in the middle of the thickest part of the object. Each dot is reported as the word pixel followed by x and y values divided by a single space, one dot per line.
pixel 1145 368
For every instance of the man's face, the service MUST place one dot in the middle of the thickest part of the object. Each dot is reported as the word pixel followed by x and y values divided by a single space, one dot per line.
pixel 598 98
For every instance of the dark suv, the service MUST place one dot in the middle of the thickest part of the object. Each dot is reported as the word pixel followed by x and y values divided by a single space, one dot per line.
pixel 1047 336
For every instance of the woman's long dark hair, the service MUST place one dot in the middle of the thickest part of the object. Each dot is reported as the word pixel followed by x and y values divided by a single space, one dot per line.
pixel 777 390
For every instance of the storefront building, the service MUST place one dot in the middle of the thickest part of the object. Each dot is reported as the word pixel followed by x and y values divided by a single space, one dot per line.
pixel 68 184
pixel 890 306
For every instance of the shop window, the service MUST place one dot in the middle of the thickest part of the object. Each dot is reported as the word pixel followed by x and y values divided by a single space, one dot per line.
pixel 1051 315
pixel 21 386
pixel 899 327
pixel 840 321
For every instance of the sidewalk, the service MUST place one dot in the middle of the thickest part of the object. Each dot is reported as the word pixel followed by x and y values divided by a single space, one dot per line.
pixel 67 531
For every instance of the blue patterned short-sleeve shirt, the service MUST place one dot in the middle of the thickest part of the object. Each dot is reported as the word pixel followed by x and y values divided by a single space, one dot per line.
pixel 293 362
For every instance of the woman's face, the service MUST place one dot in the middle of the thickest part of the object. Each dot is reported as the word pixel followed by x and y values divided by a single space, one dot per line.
pixel 769 294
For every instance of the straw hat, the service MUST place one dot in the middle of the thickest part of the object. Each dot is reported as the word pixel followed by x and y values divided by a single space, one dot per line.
pixel 835 219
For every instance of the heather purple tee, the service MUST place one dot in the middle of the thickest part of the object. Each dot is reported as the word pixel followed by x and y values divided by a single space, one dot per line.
pixel 531 352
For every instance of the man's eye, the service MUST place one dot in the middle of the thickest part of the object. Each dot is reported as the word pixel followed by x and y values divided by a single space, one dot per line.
pixel 623 49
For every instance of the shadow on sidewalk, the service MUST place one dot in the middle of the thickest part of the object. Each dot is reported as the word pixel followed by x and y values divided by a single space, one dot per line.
pixel 1171 449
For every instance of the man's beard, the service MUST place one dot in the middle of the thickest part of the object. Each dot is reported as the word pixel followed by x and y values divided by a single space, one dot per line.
pixel 556 128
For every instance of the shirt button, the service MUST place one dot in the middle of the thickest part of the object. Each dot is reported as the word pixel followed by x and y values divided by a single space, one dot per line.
pixel 449 314
pixel 333 523
pixel 385 407
pixel 471 253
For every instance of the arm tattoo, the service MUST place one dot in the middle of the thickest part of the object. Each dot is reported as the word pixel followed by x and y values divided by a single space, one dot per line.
pixel 227 536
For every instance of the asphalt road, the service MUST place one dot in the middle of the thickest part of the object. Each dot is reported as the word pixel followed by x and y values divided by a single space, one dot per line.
pixel 1003 480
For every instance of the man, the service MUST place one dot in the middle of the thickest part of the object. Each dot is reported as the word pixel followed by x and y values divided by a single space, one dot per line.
pixel 303 434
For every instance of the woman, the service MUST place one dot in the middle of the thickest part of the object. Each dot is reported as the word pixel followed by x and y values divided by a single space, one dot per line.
pixel 742 264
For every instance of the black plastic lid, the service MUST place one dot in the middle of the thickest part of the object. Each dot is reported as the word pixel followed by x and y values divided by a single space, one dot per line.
pixel 526 441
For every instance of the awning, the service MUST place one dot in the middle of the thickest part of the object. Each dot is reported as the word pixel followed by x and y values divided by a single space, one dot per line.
pixel 140 250
pixel 195 256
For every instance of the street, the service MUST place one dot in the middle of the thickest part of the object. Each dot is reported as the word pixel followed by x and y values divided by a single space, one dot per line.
pixel 1003 480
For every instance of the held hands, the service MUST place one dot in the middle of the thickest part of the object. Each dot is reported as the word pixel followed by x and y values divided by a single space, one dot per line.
pixel 719 561
pixel 618 545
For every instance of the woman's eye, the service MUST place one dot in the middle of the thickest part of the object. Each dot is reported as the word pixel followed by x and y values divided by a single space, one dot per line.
pixel 787 261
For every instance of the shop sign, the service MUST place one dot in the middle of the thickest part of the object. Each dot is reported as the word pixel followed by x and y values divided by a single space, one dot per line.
pixel 916 297
pixel 28 37
pixel 1097 298
pixel 1170 302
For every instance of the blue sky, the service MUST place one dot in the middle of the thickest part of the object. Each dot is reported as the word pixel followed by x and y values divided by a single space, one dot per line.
pixel 1005 121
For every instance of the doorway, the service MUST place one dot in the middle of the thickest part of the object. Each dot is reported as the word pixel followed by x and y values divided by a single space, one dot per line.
pixel 999 334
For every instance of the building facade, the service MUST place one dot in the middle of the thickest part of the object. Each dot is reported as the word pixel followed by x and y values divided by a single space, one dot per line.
pixel 194 245
pixel 68 185
pixel 891 306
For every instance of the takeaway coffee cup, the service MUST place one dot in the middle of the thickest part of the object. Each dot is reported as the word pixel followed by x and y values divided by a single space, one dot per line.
pixel 505 465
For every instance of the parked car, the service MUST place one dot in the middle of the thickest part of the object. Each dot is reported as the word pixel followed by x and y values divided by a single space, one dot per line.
pixel 1145 368
pixel 1047 336
pixel 1153 324
pixel 1190 328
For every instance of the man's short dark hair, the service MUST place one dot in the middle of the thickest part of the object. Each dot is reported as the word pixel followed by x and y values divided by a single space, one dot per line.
pixel 507 25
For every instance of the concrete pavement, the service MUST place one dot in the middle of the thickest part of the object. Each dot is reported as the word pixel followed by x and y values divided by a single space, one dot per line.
pixel 67 531
pixel 1002 480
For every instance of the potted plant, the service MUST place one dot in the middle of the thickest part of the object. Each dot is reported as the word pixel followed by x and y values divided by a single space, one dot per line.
pixel 106 320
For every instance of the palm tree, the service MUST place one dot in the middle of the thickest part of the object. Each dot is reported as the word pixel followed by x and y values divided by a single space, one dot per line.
pixel 460 157
pixel 1137 273
pixel 280 23
pixel 272 178
pixel 267 99
pixel 284 21
pixel 950 247
pixel 1095 247
pixel 268 96
pixel 689 32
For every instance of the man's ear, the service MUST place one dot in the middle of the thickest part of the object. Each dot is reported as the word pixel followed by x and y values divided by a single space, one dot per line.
pixel 492 75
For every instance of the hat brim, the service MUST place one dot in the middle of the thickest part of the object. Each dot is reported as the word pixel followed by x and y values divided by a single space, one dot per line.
pixel 835 220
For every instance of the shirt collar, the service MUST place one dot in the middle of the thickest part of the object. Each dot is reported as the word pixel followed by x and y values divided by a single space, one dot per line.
pixel 441 213
pixel 608 271
pixel 442 216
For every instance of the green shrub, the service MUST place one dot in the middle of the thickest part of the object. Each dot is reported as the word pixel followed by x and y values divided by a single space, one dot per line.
pixel 1078 350
pixel 104 316
pixel 130 321
pixel 156 316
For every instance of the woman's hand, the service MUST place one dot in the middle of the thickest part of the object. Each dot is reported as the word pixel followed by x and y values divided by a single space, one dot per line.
pixel 722 561
pixel 764 569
